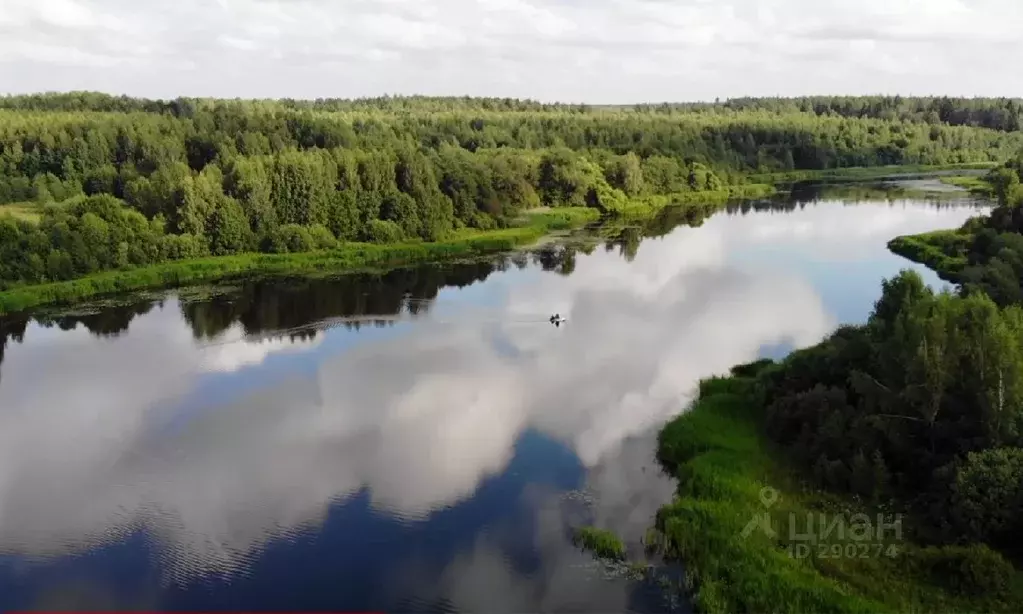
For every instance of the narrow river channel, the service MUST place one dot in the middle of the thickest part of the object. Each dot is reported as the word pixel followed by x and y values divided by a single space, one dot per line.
pixel 419 440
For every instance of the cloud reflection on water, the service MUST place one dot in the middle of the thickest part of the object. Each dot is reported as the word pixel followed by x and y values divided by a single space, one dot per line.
pixel 418 418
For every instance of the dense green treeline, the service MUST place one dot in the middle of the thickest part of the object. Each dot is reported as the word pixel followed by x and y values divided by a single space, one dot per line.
pixel 95 183
pixel 1004 114
pixel 913 405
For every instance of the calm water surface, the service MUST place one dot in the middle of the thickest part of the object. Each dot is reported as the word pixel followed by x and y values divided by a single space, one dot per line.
pixel 422 440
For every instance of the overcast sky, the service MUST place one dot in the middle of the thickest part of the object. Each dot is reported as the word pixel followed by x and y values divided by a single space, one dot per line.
pixel 595 51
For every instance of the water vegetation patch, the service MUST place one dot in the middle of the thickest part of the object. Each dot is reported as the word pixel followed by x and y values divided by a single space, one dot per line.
pixel 604 544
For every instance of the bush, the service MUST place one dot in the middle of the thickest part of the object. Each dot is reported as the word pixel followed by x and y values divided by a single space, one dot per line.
pixel 384 231
pixel 987 495
pixel 975 570
pixel 183 246
pixel 322 237
pixel 291 239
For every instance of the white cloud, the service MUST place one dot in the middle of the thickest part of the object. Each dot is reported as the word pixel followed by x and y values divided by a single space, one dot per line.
pixel 597 51
pixel 419 418
pixel 231 352
pixel 842 232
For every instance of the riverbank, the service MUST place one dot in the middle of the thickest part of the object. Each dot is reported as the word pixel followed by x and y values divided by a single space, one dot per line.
pixel 353 257
pixel 730 474
pixel 864 173
pixel 347 258
pixel 944 251
pixel 977 186
pixel 708 201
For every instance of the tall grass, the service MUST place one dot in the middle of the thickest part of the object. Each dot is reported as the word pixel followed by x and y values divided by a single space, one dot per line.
pixel 977 186
pixel 601 542
pixel 349 257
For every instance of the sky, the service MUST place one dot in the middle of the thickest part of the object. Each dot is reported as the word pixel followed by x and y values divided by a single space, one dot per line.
pixel 593 51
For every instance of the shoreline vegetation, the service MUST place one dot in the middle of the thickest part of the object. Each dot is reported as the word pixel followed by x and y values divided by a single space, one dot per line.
pixel 900 437
pixel 602 543
pixel 865 173
pixel 347 258
pixel 986 254
pixel 530 227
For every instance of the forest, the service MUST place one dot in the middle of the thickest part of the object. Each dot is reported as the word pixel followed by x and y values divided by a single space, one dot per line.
pixel 91 182
pixel 923 403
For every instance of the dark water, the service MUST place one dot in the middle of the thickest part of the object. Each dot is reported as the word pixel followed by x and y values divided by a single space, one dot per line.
pixel 421 440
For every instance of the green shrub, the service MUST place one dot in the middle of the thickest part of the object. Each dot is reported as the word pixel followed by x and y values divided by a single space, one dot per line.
pixel 184 246
pixel 291 239
pixel 974 570
pixel 322 237
pixel 987 495
pixel 384 231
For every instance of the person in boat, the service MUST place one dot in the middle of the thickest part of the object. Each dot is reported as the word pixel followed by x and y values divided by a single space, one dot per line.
pixel 556 318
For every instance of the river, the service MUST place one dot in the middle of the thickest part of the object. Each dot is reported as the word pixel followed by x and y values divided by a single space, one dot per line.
pixel 422 440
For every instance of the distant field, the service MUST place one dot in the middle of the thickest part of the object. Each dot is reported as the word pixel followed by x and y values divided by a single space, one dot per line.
pixel 22 211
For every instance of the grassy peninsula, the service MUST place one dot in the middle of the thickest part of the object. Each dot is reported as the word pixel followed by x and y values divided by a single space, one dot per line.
pixel 986 254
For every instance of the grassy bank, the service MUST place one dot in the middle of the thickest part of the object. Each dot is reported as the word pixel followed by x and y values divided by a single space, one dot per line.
pixel 724 464
pixel 709 200
pixel 977 186
pixel 349 257
pixel 863 173
pixel 943 251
